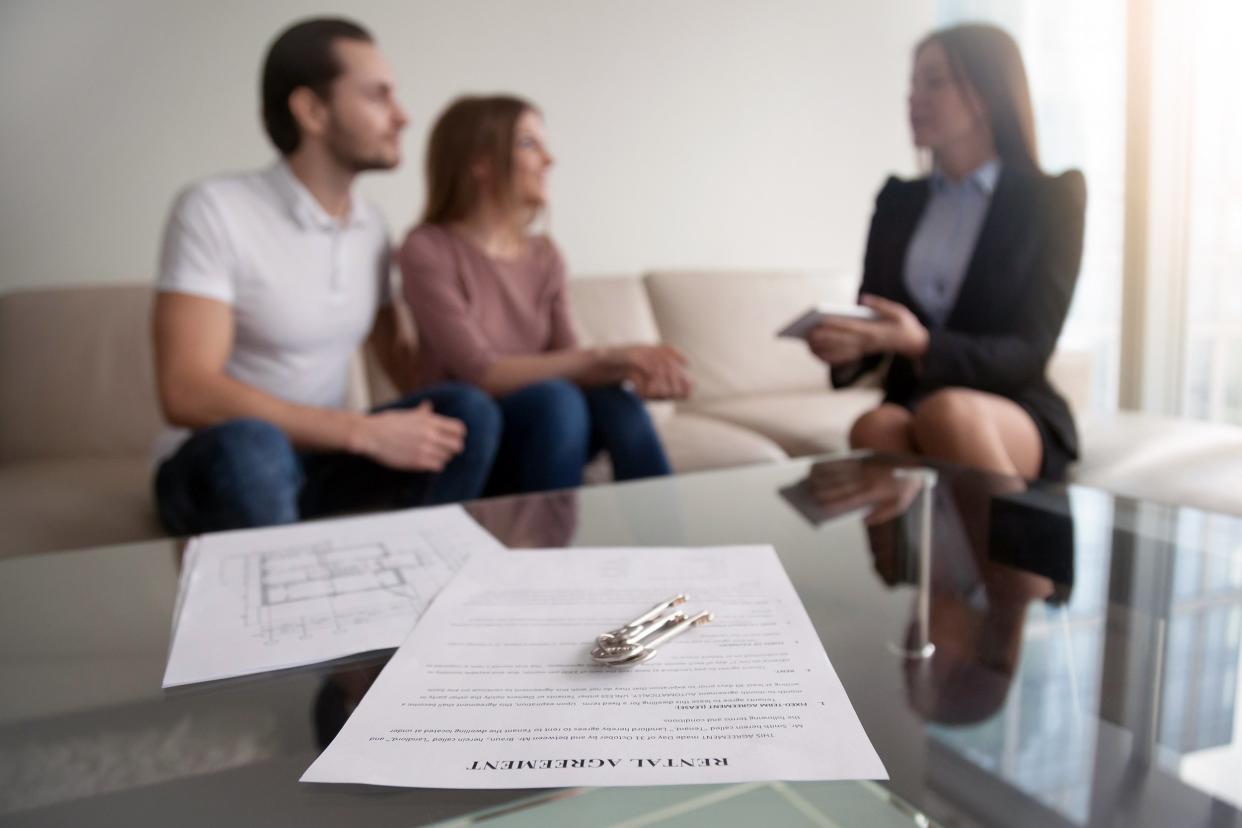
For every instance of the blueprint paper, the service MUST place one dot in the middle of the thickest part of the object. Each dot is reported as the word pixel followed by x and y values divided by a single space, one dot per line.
pixel 266 599
pixel 495 687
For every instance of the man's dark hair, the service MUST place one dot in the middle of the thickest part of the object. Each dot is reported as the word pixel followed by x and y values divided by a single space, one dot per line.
pixel 302 55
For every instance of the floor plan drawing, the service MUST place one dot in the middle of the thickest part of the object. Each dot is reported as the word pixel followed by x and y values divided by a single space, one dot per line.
pixel 265 599
pixel 301 591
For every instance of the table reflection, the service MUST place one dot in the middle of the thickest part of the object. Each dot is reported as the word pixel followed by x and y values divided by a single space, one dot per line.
pixel 989 562
pixel 1088 649
pixel 545 521
pixel 996 547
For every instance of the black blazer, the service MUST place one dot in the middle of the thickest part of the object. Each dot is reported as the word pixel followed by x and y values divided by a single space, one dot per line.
pixel 1002 329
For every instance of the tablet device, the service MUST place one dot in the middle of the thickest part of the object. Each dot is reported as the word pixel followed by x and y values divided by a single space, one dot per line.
pixel 801 327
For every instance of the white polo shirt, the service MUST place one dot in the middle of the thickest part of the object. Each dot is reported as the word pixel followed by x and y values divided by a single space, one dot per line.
pixel 304 287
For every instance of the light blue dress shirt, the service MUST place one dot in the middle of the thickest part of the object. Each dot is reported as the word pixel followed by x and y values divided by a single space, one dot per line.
pixel 945 239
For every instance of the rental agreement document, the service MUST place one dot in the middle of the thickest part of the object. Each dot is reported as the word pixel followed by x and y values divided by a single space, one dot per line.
pixel 256 600
pixel 495 687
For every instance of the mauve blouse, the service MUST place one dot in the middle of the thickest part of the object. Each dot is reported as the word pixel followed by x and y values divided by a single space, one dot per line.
pixel 471 309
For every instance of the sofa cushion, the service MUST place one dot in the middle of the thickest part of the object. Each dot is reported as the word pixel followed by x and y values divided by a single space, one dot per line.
pixel 611 310
pixel 71 504
pixel 1170 460
pixel 726 323
pixel 78 378
pixel 696 443
pixel 801 423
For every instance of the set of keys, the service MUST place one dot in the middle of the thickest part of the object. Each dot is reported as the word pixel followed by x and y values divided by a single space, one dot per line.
pixel 636 642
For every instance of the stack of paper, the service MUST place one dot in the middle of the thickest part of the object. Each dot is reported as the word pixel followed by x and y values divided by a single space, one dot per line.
pixel 495 687
pixel 265 599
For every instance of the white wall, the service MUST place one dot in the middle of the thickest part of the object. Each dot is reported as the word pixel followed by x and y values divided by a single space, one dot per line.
pixel 688 132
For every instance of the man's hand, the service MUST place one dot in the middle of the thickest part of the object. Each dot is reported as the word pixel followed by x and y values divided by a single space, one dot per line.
pixel 839 341
pixel 409 440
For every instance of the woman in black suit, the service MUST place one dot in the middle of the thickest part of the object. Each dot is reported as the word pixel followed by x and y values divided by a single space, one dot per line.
pixel 971 271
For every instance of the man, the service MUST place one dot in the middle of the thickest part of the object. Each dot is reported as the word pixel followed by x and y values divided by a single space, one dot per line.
pixel 269 282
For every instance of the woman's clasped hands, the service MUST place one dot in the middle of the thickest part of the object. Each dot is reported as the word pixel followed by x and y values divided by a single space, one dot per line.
pixel 656 372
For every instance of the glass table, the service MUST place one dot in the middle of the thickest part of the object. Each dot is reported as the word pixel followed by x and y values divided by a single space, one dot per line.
pixel 1085 665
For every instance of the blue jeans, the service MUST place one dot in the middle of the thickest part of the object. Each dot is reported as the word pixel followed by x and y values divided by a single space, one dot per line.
pixel 552 428
pixel 246 473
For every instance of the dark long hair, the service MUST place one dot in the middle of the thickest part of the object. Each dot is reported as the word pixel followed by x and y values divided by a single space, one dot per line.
pixel 472 129
pixel 987 59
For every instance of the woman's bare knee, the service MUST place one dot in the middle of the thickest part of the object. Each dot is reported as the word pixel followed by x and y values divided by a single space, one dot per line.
pixel 950 425
pixel 886 428
pixel 976 429
pixel 952 411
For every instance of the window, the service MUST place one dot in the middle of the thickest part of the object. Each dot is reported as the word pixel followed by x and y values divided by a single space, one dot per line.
pixel 1211 370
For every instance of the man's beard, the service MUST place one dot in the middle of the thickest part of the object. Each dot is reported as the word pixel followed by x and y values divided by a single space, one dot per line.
pixel 345 152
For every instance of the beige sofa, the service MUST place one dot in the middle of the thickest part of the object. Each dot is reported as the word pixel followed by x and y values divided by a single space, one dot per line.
pixel 78 409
